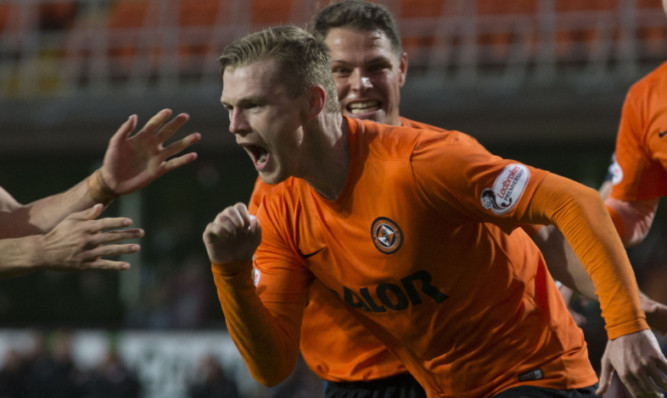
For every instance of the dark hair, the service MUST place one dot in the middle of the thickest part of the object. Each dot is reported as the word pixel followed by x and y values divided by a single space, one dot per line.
pixel 303 61
pixel 358 15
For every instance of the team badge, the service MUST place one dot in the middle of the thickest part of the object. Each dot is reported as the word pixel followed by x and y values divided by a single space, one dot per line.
pixel 507 189
pixel 387 235
pixel 615 172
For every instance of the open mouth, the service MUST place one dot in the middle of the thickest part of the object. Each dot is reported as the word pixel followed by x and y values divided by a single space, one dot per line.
pixel 258 154
pixel 363 107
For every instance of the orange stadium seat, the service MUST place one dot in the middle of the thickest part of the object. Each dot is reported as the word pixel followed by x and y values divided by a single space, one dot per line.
pixel 270 12
pixel 421 8
pixel 127 22
pixel 651 29
pixel 418 20
pixel 577 33
pixel 58 15
pixel 196 20
pixel 500 24
pixel 4 16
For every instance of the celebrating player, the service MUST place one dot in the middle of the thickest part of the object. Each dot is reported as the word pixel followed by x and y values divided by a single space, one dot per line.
pixel 462 298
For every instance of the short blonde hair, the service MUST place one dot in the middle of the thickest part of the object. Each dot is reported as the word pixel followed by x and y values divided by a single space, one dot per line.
pixel 303 61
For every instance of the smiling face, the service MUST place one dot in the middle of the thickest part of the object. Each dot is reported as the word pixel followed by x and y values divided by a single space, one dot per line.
pixel 265 118
pixel 368 74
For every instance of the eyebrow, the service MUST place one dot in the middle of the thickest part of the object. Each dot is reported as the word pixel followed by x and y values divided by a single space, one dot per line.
pixel 370 61
pixel 243 102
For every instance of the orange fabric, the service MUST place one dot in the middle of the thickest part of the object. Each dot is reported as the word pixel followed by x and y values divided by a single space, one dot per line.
pixel 584 221
pixel 640 169
pixel 531 229
pixel 334 344
pixel 410 246
pixel 277 349
pixel 618 222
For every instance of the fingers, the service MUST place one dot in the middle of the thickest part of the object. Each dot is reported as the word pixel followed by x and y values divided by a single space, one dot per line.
pixel 108 223
pixel 117 236
pixel 606 375
pixel 112 250
pixel 155 122
pixel 92 213
pixel 171 127
pixel 178 146
pixel 125 129
pixel 103 264
pixel 658 377
pixel 640 385
pixel 167 129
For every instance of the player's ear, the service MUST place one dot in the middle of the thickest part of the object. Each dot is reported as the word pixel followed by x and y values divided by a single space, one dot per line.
pixel 403 67
pixel 316 100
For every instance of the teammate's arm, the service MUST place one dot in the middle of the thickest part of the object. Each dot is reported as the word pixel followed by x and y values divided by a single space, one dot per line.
pixel 79 242
pixel 580 214
pixel 131 162
pixel 633 219
pixel 565 267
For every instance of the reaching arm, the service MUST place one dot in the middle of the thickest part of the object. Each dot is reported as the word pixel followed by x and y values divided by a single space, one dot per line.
pixel 77 243
pixel 581 216
pixel 565 267
pixel 131 162
pixel 632 219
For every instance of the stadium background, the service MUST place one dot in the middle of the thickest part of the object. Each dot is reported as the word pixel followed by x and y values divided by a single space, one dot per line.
pixel 540 81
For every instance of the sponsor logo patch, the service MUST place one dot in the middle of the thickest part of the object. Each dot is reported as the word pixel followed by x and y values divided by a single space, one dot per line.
pixel 387 235
pixel 256 275
pixel 615 171
pixel 507 189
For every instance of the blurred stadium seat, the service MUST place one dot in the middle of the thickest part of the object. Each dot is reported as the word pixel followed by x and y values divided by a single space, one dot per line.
pixel 137 44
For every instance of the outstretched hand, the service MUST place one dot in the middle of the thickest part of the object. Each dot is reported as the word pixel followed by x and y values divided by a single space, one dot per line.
pixel 80 241
pixel 233 236
pixel 133 161
pixel 638 362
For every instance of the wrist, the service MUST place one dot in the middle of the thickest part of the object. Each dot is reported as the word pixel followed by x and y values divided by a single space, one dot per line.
pixel 98 189
pixel 232 269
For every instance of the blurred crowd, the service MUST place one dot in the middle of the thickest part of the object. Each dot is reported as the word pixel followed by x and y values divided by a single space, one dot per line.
pixel 51 372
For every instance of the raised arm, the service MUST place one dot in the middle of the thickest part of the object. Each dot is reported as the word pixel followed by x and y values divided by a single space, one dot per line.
pixel 131 162
pixel 266 335
pixel 580 214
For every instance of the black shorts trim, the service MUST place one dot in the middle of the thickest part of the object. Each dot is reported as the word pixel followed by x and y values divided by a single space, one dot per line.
pixel 541 392
pixel 400 386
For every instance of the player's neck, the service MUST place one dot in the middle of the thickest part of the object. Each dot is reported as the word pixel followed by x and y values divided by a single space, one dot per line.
pixel 330 162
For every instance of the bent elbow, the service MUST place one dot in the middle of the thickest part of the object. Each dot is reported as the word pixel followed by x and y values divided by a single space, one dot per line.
pixel 271 377
pixel 274 369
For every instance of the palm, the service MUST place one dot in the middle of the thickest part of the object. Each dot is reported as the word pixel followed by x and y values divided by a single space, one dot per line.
pixel 134 161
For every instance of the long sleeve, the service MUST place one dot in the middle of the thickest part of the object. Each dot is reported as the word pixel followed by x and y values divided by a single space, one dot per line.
pixel 267 338
pixel 583 219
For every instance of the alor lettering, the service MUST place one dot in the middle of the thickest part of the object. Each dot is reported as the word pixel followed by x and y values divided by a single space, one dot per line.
pixel 393 296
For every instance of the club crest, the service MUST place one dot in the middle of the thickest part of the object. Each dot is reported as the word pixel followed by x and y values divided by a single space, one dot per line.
pixel 387 235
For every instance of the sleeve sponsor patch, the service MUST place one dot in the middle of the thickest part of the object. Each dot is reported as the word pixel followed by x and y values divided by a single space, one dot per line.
pixel 615 172
pixel 507 189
